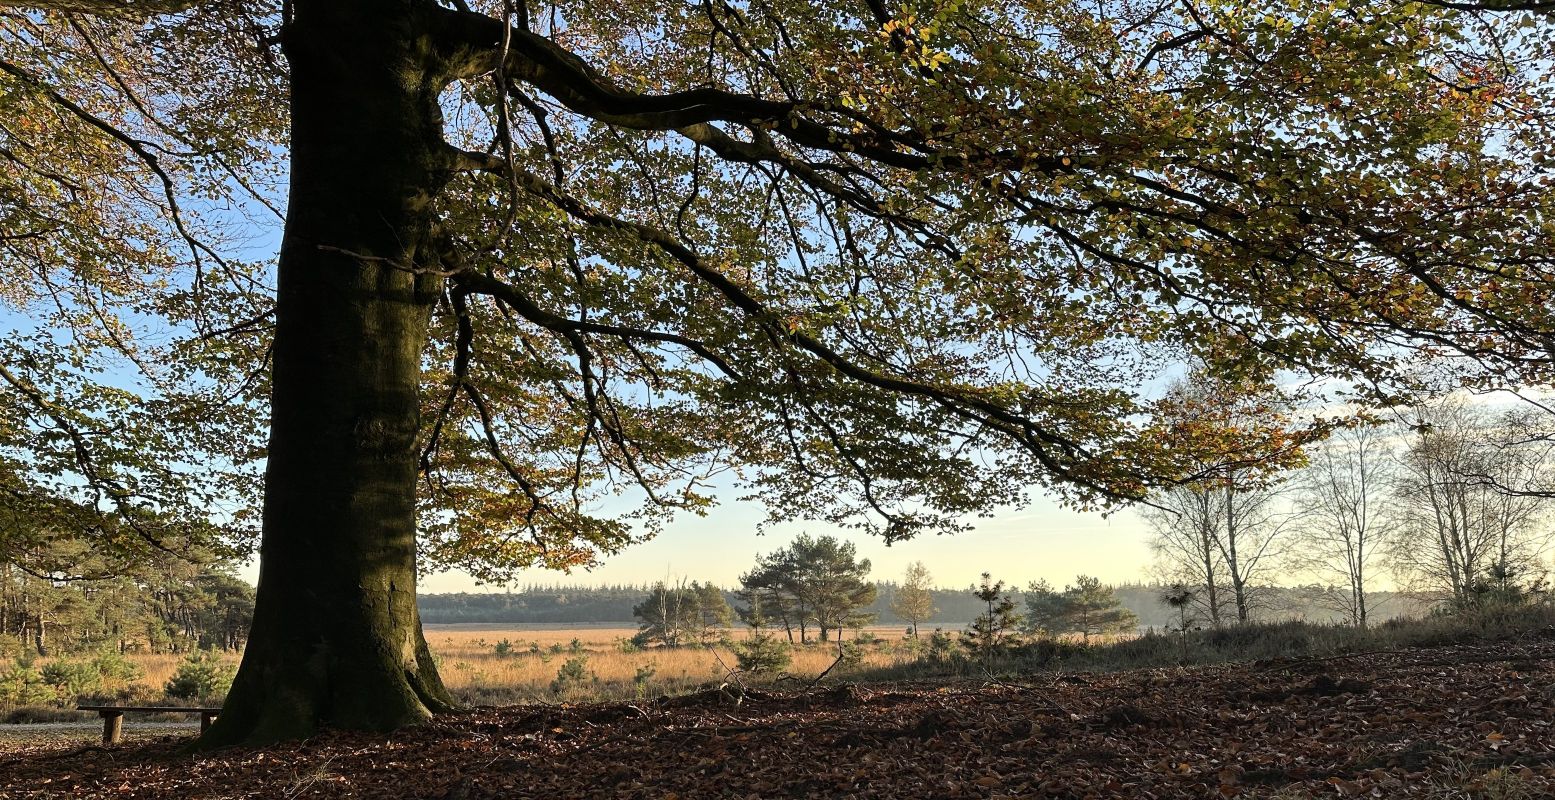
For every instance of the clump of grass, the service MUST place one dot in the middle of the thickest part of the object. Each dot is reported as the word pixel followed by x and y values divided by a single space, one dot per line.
pixel 36 713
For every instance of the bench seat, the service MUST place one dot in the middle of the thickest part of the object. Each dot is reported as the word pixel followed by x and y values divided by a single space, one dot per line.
pixel 113 717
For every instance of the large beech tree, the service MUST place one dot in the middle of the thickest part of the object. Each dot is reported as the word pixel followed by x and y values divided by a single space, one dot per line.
pixel 884 263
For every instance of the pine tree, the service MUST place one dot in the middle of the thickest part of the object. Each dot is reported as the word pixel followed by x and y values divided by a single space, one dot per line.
pixel 1047 610
pixel 816 580
pixel 1093 610
pixel 993 631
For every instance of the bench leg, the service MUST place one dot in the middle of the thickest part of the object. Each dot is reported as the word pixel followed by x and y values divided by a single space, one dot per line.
pixel 205 721
pixel 113 726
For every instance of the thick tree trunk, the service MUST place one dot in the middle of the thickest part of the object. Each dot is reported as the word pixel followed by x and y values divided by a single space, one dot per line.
pixel 336 637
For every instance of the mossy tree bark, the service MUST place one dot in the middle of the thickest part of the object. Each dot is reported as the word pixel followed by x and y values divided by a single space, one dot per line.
pixel 336 638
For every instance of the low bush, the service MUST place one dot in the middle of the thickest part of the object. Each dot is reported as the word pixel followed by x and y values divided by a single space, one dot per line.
pixel 24 685
pixel 22 715
pixel 201 676
pixel 763 654
pixel 572 677
pixel 115 671
pixel 849 656
pixel 72 679
pixel 941 647
pixel 640 680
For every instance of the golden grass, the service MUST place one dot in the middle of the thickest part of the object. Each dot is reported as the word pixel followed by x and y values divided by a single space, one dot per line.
pixel 159 668
pixel 472 668
pixel 470 664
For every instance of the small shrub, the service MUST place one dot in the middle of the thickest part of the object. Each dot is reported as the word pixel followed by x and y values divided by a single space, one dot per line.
pixel 22 685
pixel 73 679
pixel 503 648
pixel 575 646
pixel 911 648
pixel 640 680
pixel 201 675
pixel 941 646
pixel 475 677
pixel 1497 613
pixel 116 671
pixel 572 676
pixel 628 646
pixel 849 656
pixel 762 654
pixel 866 638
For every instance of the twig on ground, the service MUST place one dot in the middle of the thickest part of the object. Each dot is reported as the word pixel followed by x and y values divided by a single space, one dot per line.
pixel 828 670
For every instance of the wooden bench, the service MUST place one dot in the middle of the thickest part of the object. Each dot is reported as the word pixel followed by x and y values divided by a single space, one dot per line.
pixel 113 717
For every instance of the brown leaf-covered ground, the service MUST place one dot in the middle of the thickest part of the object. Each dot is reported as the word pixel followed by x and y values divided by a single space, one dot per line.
pixel 1468 720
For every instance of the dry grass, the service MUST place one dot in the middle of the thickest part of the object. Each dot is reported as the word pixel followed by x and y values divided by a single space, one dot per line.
pixel 472 668
pixel 159 668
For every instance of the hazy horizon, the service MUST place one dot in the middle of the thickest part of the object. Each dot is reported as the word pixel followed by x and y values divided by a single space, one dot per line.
pixel 1042 541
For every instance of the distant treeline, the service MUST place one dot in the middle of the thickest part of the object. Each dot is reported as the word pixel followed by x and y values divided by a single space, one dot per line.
pixel 954 607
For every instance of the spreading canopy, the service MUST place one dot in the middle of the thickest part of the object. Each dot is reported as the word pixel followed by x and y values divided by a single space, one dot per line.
pixel 891 263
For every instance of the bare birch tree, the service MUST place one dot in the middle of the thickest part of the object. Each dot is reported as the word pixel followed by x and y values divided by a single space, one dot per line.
pixel 1464 532
pixel 1186 527
pixel 1346 513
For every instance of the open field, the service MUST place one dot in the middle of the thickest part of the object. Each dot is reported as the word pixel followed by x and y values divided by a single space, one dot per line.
pixel 1455 721
pixel 473 668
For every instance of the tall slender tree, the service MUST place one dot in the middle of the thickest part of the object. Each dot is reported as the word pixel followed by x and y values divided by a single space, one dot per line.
pixel 1185 521
pixel 1221 530
pixel 1346 521
pixel 1463 532
pixel 914 600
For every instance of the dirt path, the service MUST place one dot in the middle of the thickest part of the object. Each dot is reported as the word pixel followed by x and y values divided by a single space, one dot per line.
pixel 61 736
